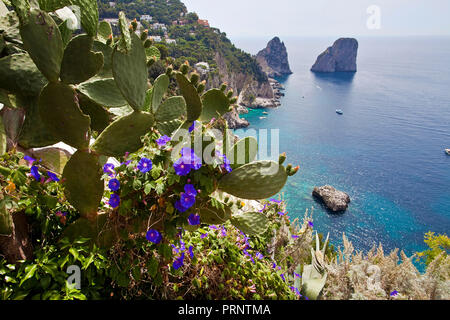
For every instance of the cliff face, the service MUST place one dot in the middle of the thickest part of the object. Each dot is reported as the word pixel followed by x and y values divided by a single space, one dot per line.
pixel 250 92
pixel 341 57
pixel 274 59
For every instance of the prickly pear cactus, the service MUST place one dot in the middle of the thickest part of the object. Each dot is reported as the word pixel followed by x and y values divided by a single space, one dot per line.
pixel 124 135
pixel 190 94
pixel 130 72
pixel 243 152
pixel 251 223
pixel 255 181
pixel 215 104
pixel 84 188
pixel 42 40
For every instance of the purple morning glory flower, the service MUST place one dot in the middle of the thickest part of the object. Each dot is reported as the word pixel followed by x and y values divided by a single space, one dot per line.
pixel 179 206
pixel 35 173
pixel 187 200
pixel 259 255
pixel 154 236
pixel 297 275
pixel 248 255
pixel 282 277
pixel 114 184
pixel 295 236
pixel 162 141
pixel 191 158
pixel 145 165
pixel 181 168
pixel 394 293
pixel 109 169
pixel 281 213
pixel 275 200
pixel 191 252
pixel 175 248
pixel 114 200
pixel 226 164
pixel 192 128
pixel 194 219
pixel 204 235
pixel 223 232
pixel 52 176
pixel 274 265
pixel 29 159
pixel 310 224
pixel 179 262
pixel 190 190
pixel 214 227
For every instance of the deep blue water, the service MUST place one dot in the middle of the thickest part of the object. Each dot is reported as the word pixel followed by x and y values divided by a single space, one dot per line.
pixel 386 151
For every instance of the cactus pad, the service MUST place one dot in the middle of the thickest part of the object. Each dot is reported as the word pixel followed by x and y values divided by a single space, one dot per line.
pixel 215 104
pixel 6 222
pixel 214 216
pixel 130 73
pixel 34 133
pixel 54 159
pixel 59 110
pixel 83 184
pixel 251 223
pixel 100 117
pixel 107 51
pixel 168 128
pixel 103 92
pixel 104 31
pixel 19 75
pixel 42 39
pixel 243 152
pixel 153 52
pixel 255 181
pixel 159 89
pixel 124 135
pixel 125 40
pixel 3 143
pixel 79 62
pixel 189 92
pixel 173 108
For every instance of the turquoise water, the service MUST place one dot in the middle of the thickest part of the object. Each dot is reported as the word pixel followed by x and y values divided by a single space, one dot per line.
pixel 386 151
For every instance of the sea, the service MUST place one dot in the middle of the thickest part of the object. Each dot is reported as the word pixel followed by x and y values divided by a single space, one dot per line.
pixel 387 149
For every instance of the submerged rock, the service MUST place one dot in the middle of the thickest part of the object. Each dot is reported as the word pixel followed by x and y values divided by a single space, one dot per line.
pixel 274 59
pixel 341 57
pixel 335 200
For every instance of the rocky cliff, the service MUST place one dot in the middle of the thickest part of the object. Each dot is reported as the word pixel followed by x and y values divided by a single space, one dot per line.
pixel 274 59
pixel 250 92
pixel 341 57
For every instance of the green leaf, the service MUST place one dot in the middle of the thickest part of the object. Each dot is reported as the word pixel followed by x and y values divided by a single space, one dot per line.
pixel 30 271
pixel 125 40
pixel 153 52
pixel 243 152
pixel 104 30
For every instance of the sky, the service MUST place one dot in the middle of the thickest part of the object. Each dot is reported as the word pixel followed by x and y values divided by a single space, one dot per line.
pixel 339 18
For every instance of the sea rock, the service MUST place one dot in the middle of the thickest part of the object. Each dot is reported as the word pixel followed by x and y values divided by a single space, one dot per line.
pixel 341 57
pixel 274 59
pixel 234 121
pixel 335 200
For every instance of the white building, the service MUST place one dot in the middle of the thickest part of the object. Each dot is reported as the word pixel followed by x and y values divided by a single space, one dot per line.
pixel 202 68
pixel 155 38
pixel 161 26
pixel 146 17
pixel 112 4
pixel 171 41
pixel 112 21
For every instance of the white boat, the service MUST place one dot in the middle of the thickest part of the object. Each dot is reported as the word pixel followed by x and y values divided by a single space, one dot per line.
pixel 263 118
pixel 265 112
pixel 447 151
pixel 339 111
